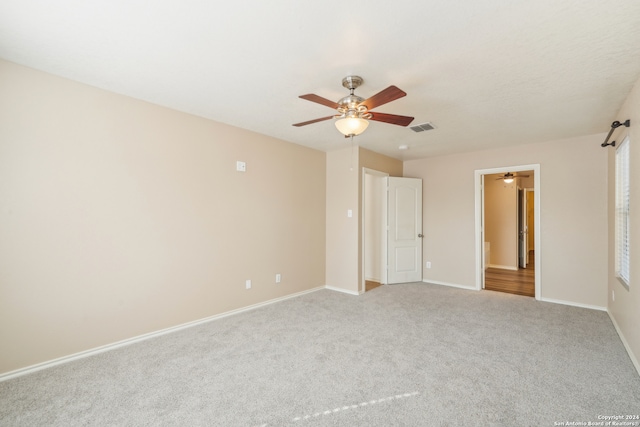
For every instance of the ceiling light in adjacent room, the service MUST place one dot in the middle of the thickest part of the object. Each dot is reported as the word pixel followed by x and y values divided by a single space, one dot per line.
pixel 508 177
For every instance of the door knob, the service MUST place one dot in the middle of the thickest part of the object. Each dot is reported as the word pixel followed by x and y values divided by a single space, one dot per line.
pixel 421 235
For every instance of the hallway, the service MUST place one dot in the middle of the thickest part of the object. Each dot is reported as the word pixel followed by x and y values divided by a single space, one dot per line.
pixel 520 282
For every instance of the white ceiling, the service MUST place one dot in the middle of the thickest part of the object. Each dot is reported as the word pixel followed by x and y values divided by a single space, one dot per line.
pixel 486 73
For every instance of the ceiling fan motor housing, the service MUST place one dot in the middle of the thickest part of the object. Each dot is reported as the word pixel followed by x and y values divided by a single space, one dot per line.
pixel 352 82
pixel 350 106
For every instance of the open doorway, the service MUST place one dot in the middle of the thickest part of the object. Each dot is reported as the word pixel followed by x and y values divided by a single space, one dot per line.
pixel 509 266
pixel 391 230
pixel 374 229
pixel 507 230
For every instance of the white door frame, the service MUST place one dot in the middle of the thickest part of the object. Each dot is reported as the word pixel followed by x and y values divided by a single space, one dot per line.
pixel 479 220
pixel 522 226
pixel 526 208
pixel 383 256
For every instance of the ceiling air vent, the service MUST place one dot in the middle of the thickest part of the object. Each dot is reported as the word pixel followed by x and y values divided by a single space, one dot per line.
pixel 422 127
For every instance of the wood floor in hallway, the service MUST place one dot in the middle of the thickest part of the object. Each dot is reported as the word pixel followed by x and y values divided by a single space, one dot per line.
pixel 370 284
pixel 520 282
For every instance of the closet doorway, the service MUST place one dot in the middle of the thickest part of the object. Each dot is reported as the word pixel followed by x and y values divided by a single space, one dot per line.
pixel 391 230
pixel 374 229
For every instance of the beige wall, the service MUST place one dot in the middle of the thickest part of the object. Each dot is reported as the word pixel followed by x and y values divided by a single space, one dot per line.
pixel 573 176
pixel 342 231
pixel 625 310
pixel 120 218
pixel 527 182
pixel 369 159
pixel 500 221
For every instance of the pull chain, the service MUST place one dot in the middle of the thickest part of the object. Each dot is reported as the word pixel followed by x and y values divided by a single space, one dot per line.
pixel 352 149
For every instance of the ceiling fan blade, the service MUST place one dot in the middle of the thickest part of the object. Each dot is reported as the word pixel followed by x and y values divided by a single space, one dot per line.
pixel 387 95
pixel 313 121
pixel 320 100
pixel 391 118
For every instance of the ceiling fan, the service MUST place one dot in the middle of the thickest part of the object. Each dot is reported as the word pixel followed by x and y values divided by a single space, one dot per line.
pixel 354 111
pixel 509 177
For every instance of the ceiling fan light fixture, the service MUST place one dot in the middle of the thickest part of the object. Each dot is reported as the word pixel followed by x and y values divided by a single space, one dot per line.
pixel 508 178
pixel 354 112
pixel 351 125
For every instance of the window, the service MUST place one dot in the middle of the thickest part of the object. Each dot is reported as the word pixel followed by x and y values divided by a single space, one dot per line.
pixel 622 212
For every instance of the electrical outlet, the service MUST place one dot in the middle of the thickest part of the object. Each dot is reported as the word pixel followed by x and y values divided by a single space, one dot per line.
pixel 428 265
pixel 247 284
pixel 278 278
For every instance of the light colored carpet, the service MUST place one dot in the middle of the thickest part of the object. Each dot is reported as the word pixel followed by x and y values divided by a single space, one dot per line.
pixel 403 355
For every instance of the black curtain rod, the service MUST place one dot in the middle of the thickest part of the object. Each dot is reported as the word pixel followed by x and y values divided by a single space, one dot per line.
pixel 614 125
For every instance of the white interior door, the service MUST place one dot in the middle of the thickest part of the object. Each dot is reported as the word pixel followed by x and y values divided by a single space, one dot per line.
pixel 404 242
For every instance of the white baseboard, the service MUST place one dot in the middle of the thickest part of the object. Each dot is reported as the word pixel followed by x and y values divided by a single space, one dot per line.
pixel 344 291
pixel 632 356
pixel 133 340
pixel 453 285
pixel 503 267
pixel 574 304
